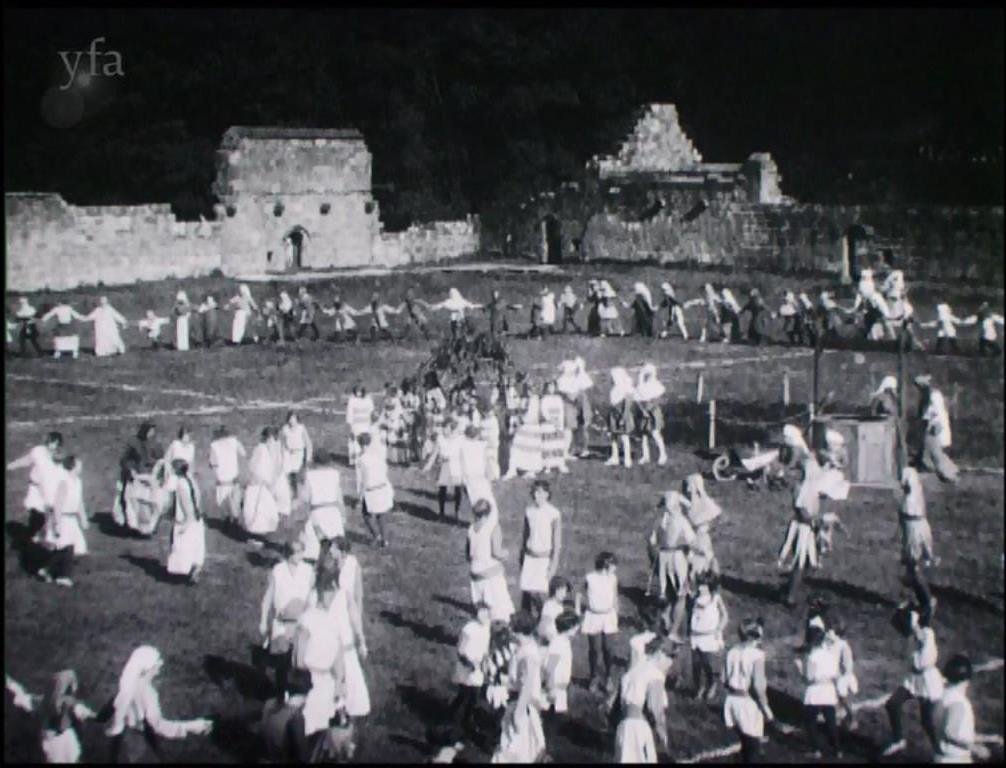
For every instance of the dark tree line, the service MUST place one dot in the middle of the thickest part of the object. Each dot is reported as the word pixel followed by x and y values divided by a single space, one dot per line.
pixel 475 110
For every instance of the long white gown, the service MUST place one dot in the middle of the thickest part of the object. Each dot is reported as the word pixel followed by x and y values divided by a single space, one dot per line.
pixel 107 340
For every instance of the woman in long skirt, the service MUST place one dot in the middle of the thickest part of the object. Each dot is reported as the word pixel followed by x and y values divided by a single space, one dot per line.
pixel 359 415
pixel 593 302
pixel 554 443
pixel 259 514
pixel 137 722
pixel 526 450
pixel 182 312
pixel 522 739
pixel 712 302
pixel 188 536
pixel 181 448
pixel 107 320
pixel 243 305
pixel 936 436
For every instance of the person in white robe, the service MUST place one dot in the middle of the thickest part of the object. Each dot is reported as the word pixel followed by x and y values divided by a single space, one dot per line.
pixel 259 512
pixel 522 738
pixel 42 480
pixel 243 305
pixel 225 455
pixel 297 449
pixel 281 483
pixel 322 494
pixel 182 311
pixel 62 537
pixel 107 320
pixel 641 691
pixel 746 708
pixel 359 417
pixel 554 442
pixel 65 341
pixel 526 449
pixel 136 711
pixel 152 324
pixel 955 717
pixel 475 467
pixel 936 436
pixel 444 458
pixel 485 555
pixel 541 547
pixel 456 304
pixel 188 535
pixel 601 617
pixel 181 448
pixel 377 496
pixel 318 648
pixel 284 602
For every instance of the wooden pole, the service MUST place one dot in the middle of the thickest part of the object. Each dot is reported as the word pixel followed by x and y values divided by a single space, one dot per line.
pixel 712 424
pixel 699 385
pixel 785 387
pixel 816 382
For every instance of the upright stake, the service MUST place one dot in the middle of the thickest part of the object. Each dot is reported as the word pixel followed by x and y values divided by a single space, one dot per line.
pixel 712 424
pixel 785 387
pixel 698 388
pixel 902 449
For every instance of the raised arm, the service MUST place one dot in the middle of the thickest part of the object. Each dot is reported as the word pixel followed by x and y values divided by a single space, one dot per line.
pixel 169 729
pixel 497 544
pixel 25 461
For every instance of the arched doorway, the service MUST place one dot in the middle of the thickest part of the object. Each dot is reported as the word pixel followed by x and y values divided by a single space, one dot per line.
pixel 294 245
pixel 854 247
pixel 551 240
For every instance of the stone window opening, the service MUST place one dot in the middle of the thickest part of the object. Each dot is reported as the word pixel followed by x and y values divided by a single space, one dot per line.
pixel 325 208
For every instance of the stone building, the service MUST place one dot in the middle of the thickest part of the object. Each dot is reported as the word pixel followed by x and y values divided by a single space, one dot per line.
pixel 656 199
pixel 289 199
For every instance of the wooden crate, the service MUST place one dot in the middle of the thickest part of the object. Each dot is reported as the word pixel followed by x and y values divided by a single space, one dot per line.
pixel 871 443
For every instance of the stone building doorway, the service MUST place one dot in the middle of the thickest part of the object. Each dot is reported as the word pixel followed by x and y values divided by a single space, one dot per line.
pixel 854 249
pixel 294 245
pixel 551 240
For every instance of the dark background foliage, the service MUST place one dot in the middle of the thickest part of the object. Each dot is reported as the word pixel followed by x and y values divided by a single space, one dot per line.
pixel 473 110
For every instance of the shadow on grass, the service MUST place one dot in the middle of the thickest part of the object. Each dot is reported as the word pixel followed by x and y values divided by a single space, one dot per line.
pixel 258 560
pixel 426 492
pixel 462 606
pixel 587 736
pixel 850 591
pixel 408 741
pixel 238 737
pixel 228 528
pixel 955 596
pixel 154 568
pixel 427 514
pixel 435 634
pixel 789 709
pixel 250 682
pixel 425 705
pixel 753 589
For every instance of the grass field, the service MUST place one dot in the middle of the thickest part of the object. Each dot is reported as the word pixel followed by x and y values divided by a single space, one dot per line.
pixel 417 590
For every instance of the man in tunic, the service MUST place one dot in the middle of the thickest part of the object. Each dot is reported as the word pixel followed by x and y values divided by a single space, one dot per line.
pixel 285 600
pixel 64 339
pixel 373 486
pixel 43 480
pixel 746 708
pixel 955 717
pixel 541 547
pixel 936 436
pixel 107 320
pixel 641 692
pixel 485 555
pixel 225 453
pixel 322 494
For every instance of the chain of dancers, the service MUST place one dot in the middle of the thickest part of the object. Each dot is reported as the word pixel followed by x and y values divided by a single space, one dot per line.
pixel 882 312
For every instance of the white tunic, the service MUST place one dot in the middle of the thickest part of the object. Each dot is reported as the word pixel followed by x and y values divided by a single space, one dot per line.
pixel 357 695
pixel 705 626
pixel 820 673
pixel 634 738
pixel 740 710
pixel 294 440
pixel 43 480
pixel 538 548
pixel 488 583
pixel 68 504
pixel 107 340
pixel 602 604
pixel 289 585
pixel 560 664
pixel 473 645
pixel 224 453
pixel 955 727
pixel 372 480
pixel 319 657
pixel 936 415
pixel 925 680
pixel 358 412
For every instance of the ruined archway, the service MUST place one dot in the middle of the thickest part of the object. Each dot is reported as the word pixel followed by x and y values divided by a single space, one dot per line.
pixel 294 247
pixel 551 240
pixel 854 244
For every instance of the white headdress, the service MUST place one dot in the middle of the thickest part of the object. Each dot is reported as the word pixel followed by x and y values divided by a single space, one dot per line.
pixel 667 288
pixel 793 437
pixel 566 382
pixel 244 290
pixel 640 289
pixel 181 297
pixel 621 385
pixel 711 296
pixel 454 294
pixel 887 384
pixel 833 438
pixel 704 510
pixel 584 382
pixel 606 290
pixel 648 387
pixel 141 662
pixel 730 301
pixel 943 311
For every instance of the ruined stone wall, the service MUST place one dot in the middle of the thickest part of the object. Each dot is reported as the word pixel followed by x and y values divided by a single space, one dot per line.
pixel 429 243
pixel 53 245
pixel 940 243
pixel 657 143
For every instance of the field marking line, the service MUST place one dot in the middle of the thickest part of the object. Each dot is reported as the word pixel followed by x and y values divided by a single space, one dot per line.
pixel 122 387
pixel 726 362
pixel 867 704
pixel 210 410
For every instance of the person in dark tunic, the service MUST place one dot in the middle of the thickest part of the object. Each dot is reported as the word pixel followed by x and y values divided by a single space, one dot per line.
pixel 643 309
pixel 210 314
pixel 27 327
pixel 308 313
pixel 593 315
pixel 413 315
pixel 757 326
pixel 141 454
